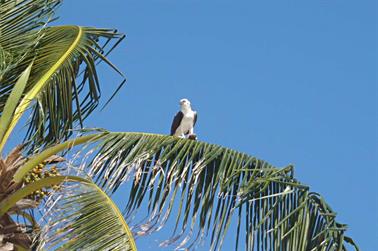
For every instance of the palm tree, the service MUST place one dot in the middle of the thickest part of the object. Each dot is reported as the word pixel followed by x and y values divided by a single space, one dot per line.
pixel 49 72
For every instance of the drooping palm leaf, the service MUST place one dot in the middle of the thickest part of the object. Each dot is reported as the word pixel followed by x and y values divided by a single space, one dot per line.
pixel 11 200
pixel 61 54
pixel 86 219
pixel 83 217
pixel 208 186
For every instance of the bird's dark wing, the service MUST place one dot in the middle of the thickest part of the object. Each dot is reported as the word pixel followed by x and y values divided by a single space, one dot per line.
pixel 176 122
pixel 195 119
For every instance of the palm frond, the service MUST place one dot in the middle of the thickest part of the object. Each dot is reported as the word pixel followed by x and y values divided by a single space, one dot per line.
pixel 48 155
pixel 20 23
pixel 11 104
pixel 13 198
pixel 18 17
pixel 83 217
pixel 208 186
pixel 63 53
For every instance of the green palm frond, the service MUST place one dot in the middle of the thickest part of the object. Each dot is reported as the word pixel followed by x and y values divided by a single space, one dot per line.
pixel 207 186
pixel 63 88
pixel 62 53
pixel 12 102
pixel 20 21
pixel 83 217
pixel 18 17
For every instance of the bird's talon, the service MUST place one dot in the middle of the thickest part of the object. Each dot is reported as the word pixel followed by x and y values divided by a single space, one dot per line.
pixel 192 137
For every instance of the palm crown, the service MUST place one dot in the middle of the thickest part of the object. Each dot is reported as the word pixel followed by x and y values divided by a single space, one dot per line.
pixel 51 70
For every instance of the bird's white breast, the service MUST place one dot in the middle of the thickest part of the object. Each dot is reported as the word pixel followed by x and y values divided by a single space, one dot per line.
pixel 186 122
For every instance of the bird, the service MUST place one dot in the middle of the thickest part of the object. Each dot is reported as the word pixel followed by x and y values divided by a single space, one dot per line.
pixel 184 121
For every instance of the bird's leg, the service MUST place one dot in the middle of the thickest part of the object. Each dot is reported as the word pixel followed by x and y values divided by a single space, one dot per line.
pixel 191 135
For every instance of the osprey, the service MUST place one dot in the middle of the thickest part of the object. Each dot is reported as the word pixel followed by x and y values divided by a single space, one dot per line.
pixel 184 121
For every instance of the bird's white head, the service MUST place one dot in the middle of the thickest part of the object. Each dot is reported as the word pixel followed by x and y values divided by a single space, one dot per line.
pixel 185 105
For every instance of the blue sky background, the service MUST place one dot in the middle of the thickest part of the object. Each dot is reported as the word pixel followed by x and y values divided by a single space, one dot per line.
pixel 285 81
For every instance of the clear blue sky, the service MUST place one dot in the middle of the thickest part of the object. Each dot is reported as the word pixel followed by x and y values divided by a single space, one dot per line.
pixel 285 81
